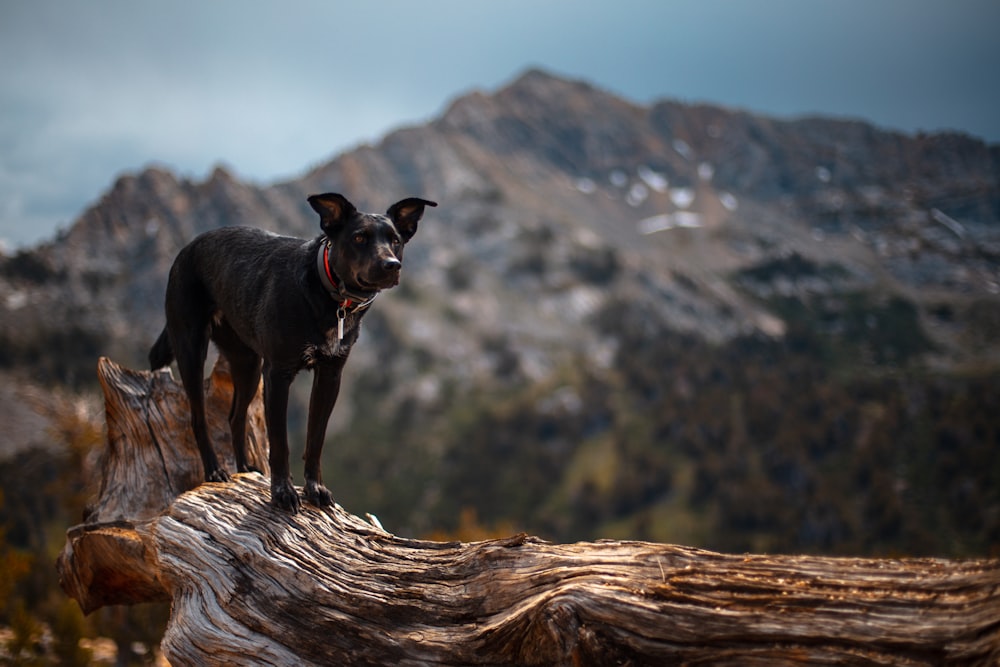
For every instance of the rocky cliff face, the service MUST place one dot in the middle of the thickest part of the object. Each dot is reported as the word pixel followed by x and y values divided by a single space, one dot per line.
pixel 567 214
pixel 558 198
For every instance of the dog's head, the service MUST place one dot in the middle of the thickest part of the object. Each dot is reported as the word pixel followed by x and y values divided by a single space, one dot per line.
pixel 367 249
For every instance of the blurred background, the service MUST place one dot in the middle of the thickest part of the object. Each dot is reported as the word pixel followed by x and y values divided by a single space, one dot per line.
pixel 719 274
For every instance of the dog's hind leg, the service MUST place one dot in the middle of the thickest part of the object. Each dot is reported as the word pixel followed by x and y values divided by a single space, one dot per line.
pixel 190 349
pixel 189 312
pixel 244 368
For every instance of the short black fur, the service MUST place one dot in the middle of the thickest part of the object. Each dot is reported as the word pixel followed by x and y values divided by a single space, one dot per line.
pixel 274 305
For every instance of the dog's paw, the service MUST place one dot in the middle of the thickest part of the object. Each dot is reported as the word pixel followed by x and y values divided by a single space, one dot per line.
pixel 218 475
pixel 284 496
pixel 318 495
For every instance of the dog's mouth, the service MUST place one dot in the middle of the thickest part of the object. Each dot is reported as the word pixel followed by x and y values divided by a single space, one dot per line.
pixel 374 286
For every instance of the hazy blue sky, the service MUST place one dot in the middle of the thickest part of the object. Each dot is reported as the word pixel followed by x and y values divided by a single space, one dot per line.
pixel 92 89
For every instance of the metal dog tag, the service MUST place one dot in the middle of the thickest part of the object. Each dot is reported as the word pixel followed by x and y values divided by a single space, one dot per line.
pixel 341 314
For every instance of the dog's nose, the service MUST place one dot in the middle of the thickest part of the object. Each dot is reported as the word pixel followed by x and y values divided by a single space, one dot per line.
pixel 391 264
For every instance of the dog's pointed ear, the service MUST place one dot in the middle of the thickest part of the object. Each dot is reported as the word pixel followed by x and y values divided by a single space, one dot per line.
pixel 333 210
pixel 406 214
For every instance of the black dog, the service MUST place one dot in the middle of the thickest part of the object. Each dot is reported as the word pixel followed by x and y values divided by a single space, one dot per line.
pixel 293 304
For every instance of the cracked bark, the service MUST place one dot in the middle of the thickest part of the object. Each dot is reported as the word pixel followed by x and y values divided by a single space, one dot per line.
pixel 253 585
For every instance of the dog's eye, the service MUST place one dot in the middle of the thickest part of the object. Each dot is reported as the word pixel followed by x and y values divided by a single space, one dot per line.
pixel 360 239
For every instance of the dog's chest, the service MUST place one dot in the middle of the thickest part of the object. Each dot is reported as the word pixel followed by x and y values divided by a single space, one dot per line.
pixel 335 343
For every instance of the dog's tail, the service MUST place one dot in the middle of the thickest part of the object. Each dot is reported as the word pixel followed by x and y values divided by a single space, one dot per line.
pixel 160 354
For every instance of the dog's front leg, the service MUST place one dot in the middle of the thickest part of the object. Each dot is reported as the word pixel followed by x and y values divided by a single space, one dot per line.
pixel 276 384
pixel 326 387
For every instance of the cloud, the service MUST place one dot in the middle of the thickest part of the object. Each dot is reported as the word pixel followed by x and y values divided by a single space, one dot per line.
pixel 273 88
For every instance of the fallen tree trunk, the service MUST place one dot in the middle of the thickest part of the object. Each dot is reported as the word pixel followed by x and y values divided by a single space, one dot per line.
pixel 253 585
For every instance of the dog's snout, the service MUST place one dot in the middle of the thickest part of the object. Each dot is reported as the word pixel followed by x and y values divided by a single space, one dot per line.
pixel 391 264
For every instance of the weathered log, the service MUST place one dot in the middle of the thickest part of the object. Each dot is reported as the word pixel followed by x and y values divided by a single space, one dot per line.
pixel 150 459
pixel 151 456
pixel 250 584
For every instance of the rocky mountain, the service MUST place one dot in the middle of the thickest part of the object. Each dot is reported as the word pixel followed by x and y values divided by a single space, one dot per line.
pixel 594 266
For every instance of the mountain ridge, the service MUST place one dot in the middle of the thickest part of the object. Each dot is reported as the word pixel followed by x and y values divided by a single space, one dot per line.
pixel 594 265
pixel 571 162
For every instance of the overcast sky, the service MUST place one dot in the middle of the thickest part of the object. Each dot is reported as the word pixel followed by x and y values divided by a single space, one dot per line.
pixel 93 89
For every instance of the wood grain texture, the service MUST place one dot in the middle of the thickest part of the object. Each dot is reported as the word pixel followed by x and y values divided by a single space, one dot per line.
pixel 250 584
pixel 151 456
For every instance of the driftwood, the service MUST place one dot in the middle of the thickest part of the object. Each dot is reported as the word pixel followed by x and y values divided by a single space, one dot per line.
pixel 253 585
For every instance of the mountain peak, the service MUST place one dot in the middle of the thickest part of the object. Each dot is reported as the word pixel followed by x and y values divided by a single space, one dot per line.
pixel 536 78
pixel 571 124
pixel 221 174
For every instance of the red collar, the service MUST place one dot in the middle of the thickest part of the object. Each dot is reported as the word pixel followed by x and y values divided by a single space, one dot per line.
pixel 346 303
pixel 350 302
